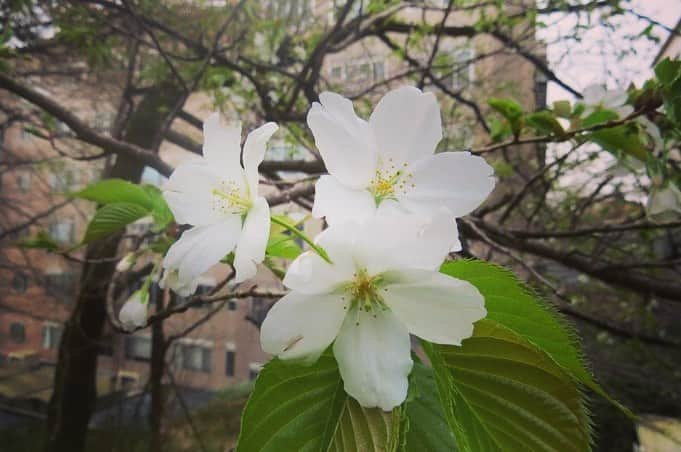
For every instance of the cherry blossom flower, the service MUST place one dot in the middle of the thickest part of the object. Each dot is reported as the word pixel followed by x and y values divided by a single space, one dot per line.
pixel 664 203
pixel 389 163
pixel 383 284
pixel 219 197
pixel 598 96
pixel 133 314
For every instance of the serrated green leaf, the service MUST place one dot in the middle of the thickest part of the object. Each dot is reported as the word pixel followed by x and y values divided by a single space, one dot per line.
pixel 110 191
pixel 545 123
pixel 515 306
pixel 501 393
pixel 427 428
pixel 112 217
pixel 295 407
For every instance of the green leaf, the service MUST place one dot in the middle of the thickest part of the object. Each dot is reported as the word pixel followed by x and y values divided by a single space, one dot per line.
pixel 109 191
pixel 426 422
pixel 160 211
pixel 515 306
pixel 501 393
pixel 282 245
pixel 42 240
pixel 621 139
pixel 599 116
pixel 112 217
pixel 296 407
pixel 511 111
pixel 545 123
pixel 562 108
pixel 668 71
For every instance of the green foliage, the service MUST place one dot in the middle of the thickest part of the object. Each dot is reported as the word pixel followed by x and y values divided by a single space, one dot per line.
pixel 111 218
pixel 599 116
pixel 511 111
pixel 116 190
pixel 515 306
pixel 668 74
pixel 42 240
pixel 502 393
pixel 562 108
pixel 426 425
pixel 123 203
pixel 545 123
pixel 625 138
pixel 297 407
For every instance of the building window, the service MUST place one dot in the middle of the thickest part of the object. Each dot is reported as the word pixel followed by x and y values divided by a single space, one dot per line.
pixel 59 283
pixel 24 180
pixel 258 310
pixel 17 332
pixel 337 72
pixel 231 305
pixel 138 348
pixel 379 70
pixel 51 336
pixel 61 180
pixel 196 357
pixel 20 282
pixel 461 75
pixel 62 231
pixel 230 359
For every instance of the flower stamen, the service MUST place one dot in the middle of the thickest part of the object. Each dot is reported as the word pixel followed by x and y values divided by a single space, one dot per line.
pixel 234 199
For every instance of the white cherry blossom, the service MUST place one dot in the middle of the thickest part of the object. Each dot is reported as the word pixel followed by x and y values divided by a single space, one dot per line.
pixel 219 197
pixel 389 162
pixel 133 314
pixel 664 203
pixel 383 284
pixel 598 96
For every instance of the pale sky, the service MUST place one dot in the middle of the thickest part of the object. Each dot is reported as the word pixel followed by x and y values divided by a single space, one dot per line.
pixel 594 59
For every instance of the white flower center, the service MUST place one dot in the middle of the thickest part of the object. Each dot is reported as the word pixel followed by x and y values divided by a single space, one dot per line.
pixel 228 199
pixel 364 293
pixel 390 181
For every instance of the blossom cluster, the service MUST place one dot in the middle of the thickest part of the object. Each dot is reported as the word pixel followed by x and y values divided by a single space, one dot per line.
pixel 390 202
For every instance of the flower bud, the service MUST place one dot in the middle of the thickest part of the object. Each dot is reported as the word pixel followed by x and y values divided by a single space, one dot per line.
pixel 133 314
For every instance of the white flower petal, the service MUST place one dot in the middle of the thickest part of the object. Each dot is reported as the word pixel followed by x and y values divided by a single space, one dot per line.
pixel 406 124
pixel 389 242
pixel 457 180
pixel 593 94
pixel 374 358
pixel 310 274
pixel 133 314
pixel 664 204
pixel 339 203
pixel 343 139
pixel 433 306
pixel 250 250
pixel 221 143
pixel 302 326
pixel 170 280
pixel 201 247
pixel 254 152
pixel 189 193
